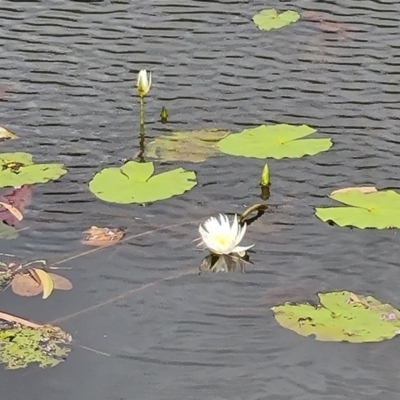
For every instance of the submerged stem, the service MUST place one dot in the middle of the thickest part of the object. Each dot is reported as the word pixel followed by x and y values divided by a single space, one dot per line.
pixel 249 210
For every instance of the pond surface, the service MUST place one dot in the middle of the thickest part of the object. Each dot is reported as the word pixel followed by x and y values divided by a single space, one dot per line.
pixel 67 76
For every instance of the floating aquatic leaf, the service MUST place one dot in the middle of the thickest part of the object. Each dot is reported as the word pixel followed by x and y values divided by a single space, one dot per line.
pixel 5 134
pixel 270 19
pixel 18 169
pixel 379 210
pixel 275 141
pixel 13 210
pixel 24 345
pixel 24 285
pixel 341 316
pixel 95 236
pixel 362 189
pixel 7 232
pixel 60 282
pixel 135 183
pixel 194 146
pixel 45 281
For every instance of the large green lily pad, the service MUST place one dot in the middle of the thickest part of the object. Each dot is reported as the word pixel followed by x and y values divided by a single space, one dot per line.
pixel 275 141
pixel 341 316
pixel 194 146
pixel 134 182
pixel 271 19
pixel 379 210
pixel 21 346
pixel 17 169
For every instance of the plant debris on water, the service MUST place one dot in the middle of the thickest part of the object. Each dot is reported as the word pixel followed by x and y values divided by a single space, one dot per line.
pixel 193 146
pixel 28 280
pixel 23 345
pixel 96 236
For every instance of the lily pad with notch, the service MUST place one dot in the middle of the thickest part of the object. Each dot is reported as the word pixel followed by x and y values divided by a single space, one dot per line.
pixel 274 141
pixel 134 182
pixel 374 209
pixel 341 316
pixel 17 169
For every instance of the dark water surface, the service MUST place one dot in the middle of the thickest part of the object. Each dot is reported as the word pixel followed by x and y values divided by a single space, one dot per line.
pixel 69 69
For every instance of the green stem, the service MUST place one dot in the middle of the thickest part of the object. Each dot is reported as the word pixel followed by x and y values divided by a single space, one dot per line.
pixel 142 131
pixel 141 113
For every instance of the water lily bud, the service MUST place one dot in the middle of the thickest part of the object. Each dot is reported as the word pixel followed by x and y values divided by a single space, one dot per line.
pixel 164 115
pixel 265 176
pixel 143 83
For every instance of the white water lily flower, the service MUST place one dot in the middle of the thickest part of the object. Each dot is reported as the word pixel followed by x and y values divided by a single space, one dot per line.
pixel 222 238
pixel 143 83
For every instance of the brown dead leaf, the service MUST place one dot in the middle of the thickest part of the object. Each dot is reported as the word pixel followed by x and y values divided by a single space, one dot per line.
pixel 24 285
pixel 362 189
pixel 95 236
pixel 60 282
pixel 13 210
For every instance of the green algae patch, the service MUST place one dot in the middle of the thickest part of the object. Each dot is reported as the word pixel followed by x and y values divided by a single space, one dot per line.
pixel 21 346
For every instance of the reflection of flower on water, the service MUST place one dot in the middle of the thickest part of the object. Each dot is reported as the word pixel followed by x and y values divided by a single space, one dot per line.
pixel 223 239
pixel 223 263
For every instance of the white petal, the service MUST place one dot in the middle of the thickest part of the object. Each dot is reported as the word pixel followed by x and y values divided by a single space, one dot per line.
pixel 242 231
pixel 235 227
pixel 239 249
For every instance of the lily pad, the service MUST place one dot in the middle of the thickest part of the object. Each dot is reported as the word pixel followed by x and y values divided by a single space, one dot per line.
pixel 379 210
pixel 17 169
pixel 274 141
pixel 22 345
pixel 270 19
pixel 7 231
pixel 194 146
pixel 134 182
pixel 341 316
